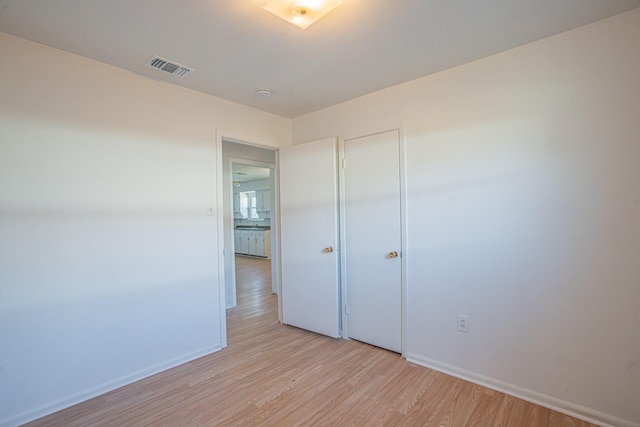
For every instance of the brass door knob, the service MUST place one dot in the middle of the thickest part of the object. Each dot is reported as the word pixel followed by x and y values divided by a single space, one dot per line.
pixel 328 250
pixel 393 254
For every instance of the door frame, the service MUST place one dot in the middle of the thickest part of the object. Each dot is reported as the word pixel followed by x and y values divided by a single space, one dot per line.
pixel 399 127
pixel 233 137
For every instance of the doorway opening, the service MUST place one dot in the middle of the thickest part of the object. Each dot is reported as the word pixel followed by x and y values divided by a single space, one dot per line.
pixel 250 231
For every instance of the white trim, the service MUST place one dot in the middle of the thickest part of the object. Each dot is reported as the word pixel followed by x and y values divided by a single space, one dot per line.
pixel 342 243
pixel 246 140
pixel 220 231
pixel 375 130
pixel 106 387
pixel 403 240
pixel 276 262
pixel 273 250
pixel 229 137
pixel 337 237
pixel 553 403
pixel 232 248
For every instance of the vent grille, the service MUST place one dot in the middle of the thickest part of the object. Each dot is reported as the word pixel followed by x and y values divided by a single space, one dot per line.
pixel 168 66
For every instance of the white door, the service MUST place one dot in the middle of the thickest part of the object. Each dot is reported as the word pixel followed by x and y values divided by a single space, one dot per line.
pixel 373 239
pixel 309 236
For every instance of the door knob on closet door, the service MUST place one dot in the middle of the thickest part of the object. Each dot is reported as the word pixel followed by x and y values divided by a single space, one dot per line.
pixel 328 250
pixel 393 254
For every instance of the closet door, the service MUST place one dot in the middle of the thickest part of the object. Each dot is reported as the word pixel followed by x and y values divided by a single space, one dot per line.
pixel 372 214
pixel 309 236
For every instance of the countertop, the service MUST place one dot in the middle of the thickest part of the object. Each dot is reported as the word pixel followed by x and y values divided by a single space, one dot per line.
pixel 252 227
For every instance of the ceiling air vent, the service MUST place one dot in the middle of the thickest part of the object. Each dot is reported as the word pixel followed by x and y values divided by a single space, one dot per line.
pixel 170 67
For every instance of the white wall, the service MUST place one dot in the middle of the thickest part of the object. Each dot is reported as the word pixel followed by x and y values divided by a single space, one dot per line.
pixel 523 211
pixel 108 260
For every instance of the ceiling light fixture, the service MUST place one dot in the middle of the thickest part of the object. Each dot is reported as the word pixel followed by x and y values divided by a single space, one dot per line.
pixel 301 13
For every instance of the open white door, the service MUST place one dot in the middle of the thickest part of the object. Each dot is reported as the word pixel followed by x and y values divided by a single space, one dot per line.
pixel 309 236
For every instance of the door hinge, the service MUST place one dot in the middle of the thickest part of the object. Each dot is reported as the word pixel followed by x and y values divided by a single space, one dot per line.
pixel 344 163
pixel 346 310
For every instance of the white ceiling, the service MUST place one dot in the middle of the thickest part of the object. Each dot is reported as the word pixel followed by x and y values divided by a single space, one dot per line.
pixel 237 48
pixel 246 173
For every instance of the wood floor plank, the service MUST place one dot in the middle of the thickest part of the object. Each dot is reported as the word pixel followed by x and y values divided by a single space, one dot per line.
pixel 275 375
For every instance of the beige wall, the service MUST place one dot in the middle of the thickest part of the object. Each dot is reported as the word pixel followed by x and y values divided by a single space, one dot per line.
pixel 108 260
pixel 523 212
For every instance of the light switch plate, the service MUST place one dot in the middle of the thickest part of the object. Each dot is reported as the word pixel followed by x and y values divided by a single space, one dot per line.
pixel 463 323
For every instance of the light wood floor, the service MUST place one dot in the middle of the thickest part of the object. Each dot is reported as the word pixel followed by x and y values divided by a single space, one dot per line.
pixel 274 375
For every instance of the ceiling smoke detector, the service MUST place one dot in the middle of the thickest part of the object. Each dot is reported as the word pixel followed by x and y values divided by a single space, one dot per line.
pixel 263 93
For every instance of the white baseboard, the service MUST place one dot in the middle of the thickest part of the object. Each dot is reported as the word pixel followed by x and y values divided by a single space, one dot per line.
pixel 92 392
pixel 568 408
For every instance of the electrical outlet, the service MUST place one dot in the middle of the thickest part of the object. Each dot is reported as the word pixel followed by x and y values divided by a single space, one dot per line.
pixel 463 323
